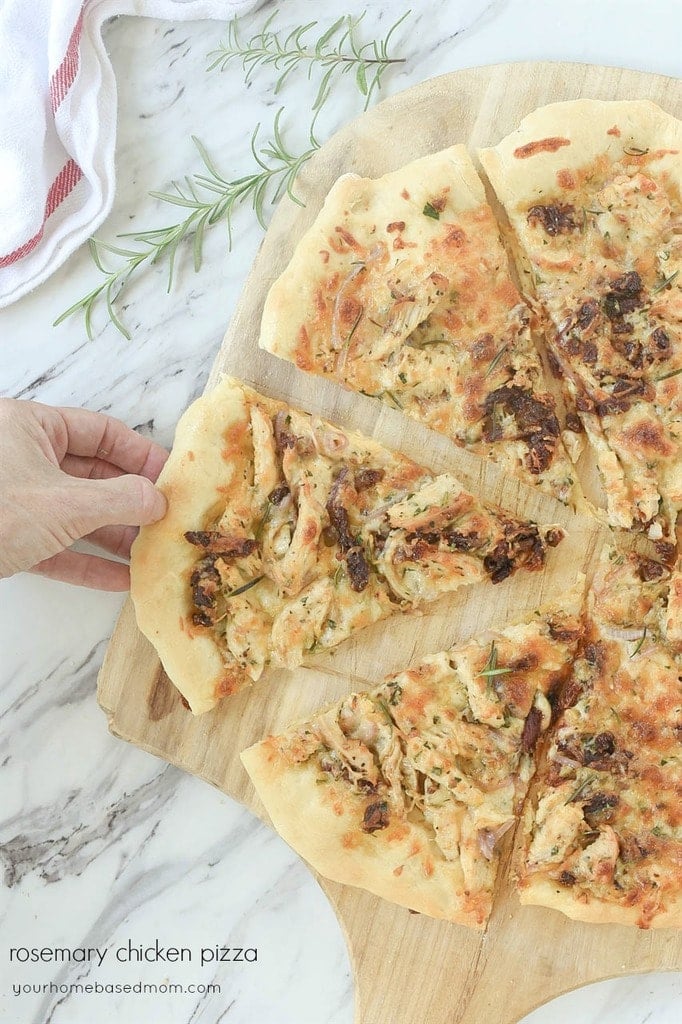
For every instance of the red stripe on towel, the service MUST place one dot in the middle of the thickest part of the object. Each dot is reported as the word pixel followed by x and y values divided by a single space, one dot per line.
pixel 70 174
pixel 63 184
pixel 64 76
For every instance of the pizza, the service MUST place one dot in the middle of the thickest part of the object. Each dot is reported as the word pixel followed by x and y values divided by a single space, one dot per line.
pixel 592 192
pixel 603 830
pixel 408 790
pixel 284 535
pixel 401 290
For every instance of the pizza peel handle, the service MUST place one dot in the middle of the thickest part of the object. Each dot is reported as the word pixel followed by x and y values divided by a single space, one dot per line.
pixel 409 969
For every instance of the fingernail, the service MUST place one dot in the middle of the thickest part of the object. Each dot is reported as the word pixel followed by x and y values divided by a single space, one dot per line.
pixel 160 506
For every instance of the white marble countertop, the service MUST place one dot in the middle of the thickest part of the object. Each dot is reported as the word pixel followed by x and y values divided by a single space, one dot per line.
pixel 103 844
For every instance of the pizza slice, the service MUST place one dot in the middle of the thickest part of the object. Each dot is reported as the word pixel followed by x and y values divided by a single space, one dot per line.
pixel 284 535
pixel 603 830
pixel 408 790
pixel 592 191
pixel 401 290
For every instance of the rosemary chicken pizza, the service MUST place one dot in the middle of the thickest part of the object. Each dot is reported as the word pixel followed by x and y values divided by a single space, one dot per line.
pixel 401 290
pixel 408 790
pixel 603 830
pixel 284 535
pixel 593 193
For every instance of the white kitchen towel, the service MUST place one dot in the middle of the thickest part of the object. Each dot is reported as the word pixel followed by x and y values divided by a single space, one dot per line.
pixel 58 125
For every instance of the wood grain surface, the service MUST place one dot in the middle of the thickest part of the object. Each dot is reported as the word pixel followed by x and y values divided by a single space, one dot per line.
pixel 408 969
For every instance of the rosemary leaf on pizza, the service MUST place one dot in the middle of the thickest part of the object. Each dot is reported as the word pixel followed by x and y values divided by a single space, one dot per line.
pixel 401 290
pixel 284 535
pixel 592 191
pixel 408 790
pixel 603 830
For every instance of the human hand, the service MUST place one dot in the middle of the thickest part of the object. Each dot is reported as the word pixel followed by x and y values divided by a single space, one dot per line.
pixel 66 474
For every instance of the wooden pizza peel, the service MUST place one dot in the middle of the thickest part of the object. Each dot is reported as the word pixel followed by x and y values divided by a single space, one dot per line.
pixel 409 969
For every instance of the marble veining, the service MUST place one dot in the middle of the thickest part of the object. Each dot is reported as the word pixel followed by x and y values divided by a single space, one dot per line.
pixel 102 844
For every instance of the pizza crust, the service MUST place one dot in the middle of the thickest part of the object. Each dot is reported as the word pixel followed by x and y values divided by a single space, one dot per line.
pixel 586 126
pixel 543 892
pixel 161 561
pixel 401 865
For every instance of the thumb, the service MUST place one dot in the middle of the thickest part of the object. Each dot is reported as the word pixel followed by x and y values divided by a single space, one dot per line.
pixel 120 501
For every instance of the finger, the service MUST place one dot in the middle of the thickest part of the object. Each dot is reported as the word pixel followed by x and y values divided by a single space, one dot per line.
pixel 89 469
pixel 120 501
pixel 85 571
pixel 94 434
pixel 117 540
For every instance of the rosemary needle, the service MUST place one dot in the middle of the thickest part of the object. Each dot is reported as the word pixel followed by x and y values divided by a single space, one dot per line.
pixel 244 587
pixel 664 283
pixel 491 668
pixel 581 788
pixel 495 360
pixel 639 644
pixel 667 376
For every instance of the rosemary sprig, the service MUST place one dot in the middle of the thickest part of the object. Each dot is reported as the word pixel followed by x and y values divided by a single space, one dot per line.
pixel 337 51
pixel 208 198
pixel 384 707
